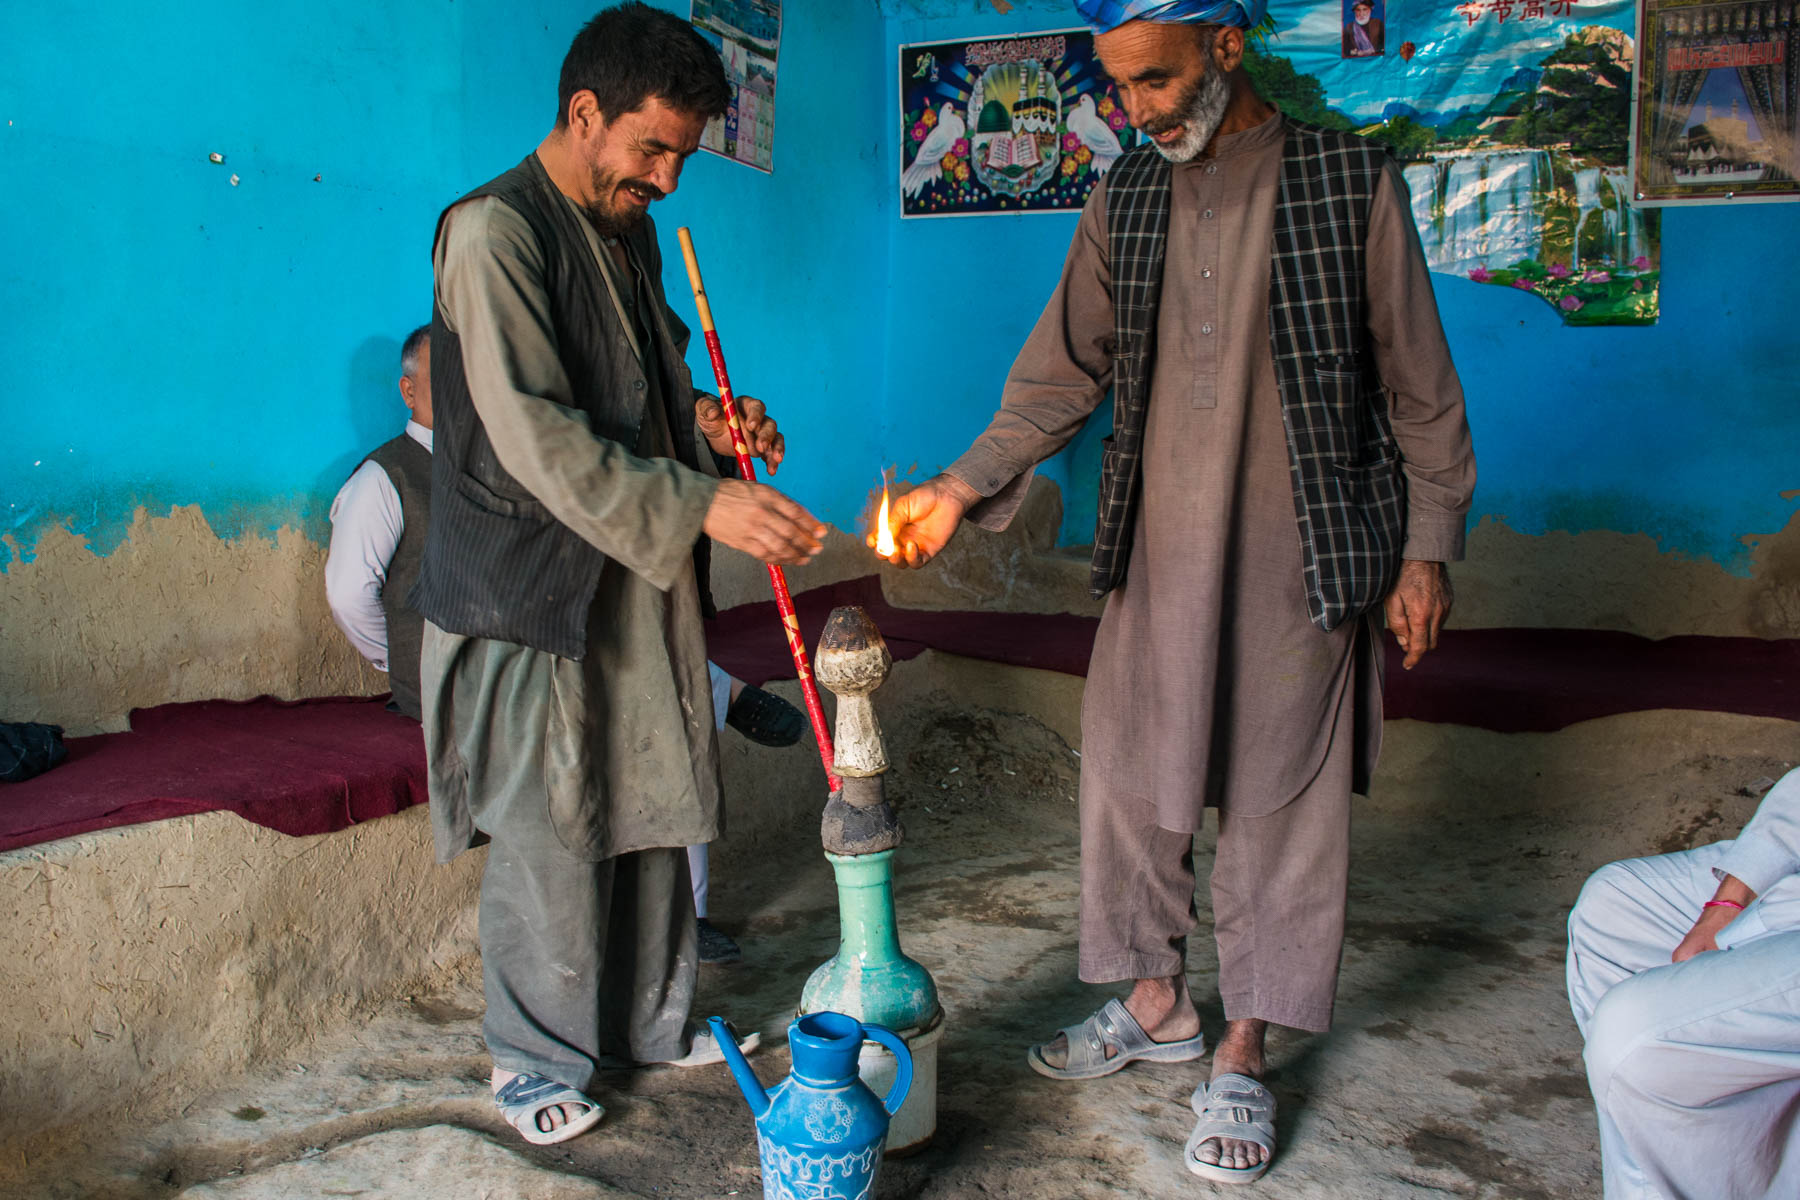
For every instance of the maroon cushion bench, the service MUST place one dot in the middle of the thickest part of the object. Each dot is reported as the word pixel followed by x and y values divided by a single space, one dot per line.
pixel 315 766
pixel 299 767
pixel 1508 680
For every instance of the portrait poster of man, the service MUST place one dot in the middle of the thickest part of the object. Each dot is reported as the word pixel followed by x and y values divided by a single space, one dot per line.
pixel 1364 29
pixel 1713 118
pixel 1026 123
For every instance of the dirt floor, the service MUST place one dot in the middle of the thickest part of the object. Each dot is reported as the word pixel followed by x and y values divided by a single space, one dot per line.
pixel 1453 1069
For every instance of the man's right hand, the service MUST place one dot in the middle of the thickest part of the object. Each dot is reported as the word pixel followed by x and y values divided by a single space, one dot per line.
pixel 763 523
pixel 924 519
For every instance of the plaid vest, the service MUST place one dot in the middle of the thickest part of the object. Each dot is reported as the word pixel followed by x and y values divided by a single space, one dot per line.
pixel 1349 493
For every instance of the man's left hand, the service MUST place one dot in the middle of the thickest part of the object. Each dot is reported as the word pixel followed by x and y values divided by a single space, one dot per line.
pixel 764 439
pixel 1418 607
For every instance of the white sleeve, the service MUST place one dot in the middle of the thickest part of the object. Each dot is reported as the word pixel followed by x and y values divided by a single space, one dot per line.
pixel 366 522
pixel 1769 848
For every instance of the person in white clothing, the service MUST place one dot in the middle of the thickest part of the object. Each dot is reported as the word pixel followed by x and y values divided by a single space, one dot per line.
pixel 1684 977
pixel 375 551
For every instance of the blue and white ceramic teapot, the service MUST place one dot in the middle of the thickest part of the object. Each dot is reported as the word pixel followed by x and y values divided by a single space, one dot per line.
pixel 821 1131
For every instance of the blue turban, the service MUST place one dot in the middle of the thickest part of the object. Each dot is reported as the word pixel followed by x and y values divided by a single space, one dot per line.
pixel 1104 16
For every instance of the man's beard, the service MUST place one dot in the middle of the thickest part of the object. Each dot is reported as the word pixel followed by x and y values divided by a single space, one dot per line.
pixel 608 218
pixel 1200 111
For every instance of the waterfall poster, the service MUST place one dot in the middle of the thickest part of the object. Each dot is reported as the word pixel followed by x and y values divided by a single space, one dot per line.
pixel 747 35
pixel 1715 102
pixel 1025 123
pixel 1511 119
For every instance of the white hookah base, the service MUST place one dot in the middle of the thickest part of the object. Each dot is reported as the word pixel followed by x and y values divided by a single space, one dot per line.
pixel 912 1127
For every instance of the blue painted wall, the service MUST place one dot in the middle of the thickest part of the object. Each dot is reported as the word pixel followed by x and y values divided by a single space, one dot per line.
pixel 1685 430
pixel 167 338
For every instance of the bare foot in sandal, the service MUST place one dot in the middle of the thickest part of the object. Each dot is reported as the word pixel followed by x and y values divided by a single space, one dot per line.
pixel 550 1118
pixel 1164 1016
pixel 1239 1052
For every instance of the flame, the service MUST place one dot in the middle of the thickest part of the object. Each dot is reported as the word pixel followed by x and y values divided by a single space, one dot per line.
pixel 884 536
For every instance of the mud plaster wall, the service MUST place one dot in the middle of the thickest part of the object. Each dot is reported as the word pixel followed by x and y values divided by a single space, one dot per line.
pixel 147 961
pixel 176 613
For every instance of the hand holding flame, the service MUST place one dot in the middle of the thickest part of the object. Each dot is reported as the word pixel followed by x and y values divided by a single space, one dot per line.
pixel 919 523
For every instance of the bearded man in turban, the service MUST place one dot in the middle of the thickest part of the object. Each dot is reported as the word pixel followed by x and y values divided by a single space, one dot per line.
pixel 1289 463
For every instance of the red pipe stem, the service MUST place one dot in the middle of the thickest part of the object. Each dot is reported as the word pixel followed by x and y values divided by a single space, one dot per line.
pixel 784 601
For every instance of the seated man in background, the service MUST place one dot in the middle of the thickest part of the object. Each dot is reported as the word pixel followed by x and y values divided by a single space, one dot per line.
pixel 1684 975
pixel 375 547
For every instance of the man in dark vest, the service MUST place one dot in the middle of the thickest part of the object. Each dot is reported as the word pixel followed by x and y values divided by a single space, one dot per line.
pixel 575 483
pixel 378 523
pixel 1289 462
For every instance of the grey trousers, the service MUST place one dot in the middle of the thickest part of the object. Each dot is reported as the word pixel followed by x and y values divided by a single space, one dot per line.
pixel 1280 883
pixel 585 964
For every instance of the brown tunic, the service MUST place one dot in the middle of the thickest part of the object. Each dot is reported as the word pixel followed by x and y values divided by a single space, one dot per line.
pixel 1209 685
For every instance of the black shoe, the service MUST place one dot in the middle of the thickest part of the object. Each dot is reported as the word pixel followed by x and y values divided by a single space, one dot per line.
pixel 764 717
pixel 716 945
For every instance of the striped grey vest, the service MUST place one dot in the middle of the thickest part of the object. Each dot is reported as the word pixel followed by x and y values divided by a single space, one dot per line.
pixel 497 564
pixel 1349 493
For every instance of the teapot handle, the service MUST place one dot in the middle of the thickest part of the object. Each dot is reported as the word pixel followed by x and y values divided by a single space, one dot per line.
pixel 903 1065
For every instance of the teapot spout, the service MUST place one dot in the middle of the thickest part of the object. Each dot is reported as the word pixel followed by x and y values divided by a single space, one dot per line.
pixel 734 1058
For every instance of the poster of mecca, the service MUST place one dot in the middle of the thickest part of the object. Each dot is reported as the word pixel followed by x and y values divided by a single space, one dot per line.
pixel 1714 119
pixel 1014 124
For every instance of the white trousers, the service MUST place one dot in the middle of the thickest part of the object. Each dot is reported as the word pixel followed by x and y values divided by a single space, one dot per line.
pixel 697 857
pixel 1695 1066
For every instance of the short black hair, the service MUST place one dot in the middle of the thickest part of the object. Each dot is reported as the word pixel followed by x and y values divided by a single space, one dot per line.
pixel 631 52
pixel 409 350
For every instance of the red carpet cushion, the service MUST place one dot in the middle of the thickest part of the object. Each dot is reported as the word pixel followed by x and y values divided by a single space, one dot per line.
pixel 309 766
pixel 1509 680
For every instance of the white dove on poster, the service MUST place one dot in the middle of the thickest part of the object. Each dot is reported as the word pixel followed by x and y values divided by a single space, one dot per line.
pixel 924 169
pixel 1095 134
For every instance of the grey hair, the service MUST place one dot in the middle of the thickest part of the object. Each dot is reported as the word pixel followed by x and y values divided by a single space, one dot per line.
pixel 409 350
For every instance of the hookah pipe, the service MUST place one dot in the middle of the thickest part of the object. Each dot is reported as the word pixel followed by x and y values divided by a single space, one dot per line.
pixel 784 601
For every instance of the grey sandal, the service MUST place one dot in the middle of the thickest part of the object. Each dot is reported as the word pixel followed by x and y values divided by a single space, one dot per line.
pixel 525 1097
pixel 1236 1107
pixel 1107 1041
pixel 703 1047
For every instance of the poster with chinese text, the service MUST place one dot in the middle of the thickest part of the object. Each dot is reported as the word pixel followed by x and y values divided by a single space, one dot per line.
pixel 996 125
pixel 747 35
pixel 1716 92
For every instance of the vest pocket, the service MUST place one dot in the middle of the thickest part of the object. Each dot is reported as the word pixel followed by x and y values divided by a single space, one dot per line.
pixel 488 500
